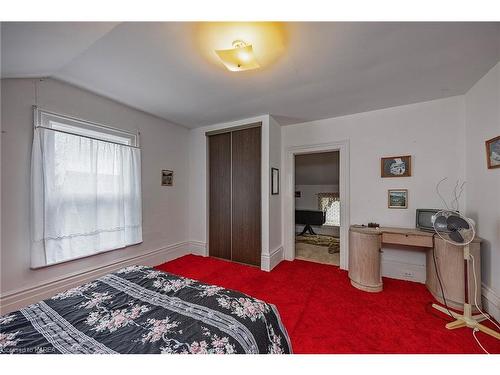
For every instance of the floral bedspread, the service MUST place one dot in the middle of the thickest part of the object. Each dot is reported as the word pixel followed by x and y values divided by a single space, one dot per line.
pixel 141 310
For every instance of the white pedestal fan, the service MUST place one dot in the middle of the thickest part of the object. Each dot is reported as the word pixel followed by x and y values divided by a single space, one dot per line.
pixel 459 231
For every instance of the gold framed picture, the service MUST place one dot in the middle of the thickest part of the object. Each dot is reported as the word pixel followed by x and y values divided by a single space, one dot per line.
pixel 396 166
pixel 493 152
pixel 397 198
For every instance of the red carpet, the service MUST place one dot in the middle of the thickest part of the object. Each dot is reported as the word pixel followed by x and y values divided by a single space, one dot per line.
pixel 323 313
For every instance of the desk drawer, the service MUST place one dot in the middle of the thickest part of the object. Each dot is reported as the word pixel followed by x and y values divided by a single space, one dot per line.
pixel 407 239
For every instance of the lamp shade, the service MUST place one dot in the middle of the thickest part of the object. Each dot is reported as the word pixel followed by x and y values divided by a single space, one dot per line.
pixel 238 59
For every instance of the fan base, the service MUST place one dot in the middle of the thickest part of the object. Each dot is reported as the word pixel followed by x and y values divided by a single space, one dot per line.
pixel 467 320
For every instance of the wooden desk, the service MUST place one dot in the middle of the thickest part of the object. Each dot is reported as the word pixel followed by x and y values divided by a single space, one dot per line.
pixel 365 247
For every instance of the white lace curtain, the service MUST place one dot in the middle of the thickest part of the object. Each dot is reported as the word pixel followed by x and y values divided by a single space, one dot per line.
pixel 85 197
pixel 326 200
pixel 330 204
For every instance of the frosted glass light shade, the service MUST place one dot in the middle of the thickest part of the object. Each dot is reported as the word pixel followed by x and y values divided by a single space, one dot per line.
pixel 238 59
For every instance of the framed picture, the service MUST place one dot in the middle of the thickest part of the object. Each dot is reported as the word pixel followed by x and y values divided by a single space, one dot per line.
pixel 493 152
pixel 167 177
pixel 397 198
pixel 396 166
pixel 275 181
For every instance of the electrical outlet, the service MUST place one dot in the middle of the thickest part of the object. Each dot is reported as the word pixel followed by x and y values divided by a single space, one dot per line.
pixel 408 275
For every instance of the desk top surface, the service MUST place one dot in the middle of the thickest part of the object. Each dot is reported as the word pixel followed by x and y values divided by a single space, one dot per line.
pixel 380 230
pixel 395 230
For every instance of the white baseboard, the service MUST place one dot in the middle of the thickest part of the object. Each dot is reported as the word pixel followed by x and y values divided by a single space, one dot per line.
pixel 403 271
pixel 16 299
pixel 198 248
pixel 491 302
pixel 269 261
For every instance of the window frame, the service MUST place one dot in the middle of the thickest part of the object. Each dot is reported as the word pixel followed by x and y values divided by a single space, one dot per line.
pixel 88 129
pixel 91 130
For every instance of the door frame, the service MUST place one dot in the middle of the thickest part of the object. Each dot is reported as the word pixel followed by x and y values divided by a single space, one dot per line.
pixel 344 192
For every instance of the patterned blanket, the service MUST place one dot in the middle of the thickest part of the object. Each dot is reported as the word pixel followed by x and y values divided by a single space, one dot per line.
pixel 141 310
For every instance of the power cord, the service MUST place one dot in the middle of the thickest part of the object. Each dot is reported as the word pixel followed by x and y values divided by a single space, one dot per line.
pixel 475 294
pixel 475 330
pixel 477 307
pixel 477 340
pixel 437 274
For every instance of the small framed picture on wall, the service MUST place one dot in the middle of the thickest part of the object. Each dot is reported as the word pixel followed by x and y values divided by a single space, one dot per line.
pixel 493 152
pixel 397 198
pixel 396 166
pixel 167 177
pixel 275 181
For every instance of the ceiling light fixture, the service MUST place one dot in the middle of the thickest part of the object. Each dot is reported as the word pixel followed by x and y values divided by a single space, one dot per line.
pixel 239 58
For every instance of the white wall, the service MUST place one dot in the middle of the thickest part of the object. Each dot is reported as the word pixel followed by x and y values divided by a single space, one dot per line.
pixel 321 168
pixel 164 146
pixel 482 110
pixel 432 132
pixel 275 233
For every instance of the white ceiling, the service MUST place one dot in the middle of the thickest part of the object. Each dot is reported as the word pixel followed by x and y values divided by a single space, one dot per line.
pixel 328 70
pixel 317 169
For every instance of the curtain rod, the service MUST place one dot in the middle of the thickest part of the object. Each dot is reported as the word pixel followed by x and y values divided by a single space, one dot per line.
pixel 86 136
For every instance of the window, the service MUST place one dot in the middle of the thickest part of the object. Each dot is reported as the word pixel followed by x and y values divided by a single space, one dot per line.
pixel 330 203
pixel 86 189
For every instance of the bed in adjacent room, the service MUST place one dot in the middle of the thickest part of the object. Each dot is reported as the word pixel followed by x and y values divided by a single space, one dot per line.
pixel 142 310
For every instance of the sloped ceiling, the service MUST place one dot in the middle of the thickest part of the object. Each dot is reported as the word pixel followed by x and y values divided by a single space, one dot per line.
pixel 317 169
pixel 327 70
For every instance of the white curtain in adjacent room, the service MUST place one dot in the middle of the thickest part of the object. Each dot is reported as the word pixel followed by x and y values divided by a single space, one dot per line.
pixel 85 196
pixel 330 204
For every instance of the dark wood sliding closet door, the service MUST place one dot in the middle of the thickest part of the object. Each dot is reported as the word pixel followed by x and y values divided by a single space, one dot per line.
pixel 219 148
pixel 246 196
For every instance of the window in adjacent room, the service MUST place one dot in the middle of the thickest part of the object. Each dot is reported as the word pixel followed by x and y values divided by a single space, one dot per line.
pixel 330 204
pixel 86 189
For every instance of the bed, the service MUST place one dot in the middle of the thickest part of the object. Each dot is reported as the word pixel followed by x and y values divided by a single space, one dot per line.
pixel 139 309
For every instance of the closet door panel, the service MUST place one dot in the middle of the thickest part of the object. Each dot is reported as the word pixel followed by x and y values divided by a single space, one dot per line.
pixel 219 148
pixel 246 192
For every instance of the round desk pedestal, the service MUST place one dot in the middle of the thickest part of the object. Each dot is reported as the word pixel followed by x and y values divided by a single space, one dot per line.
pixel 364 260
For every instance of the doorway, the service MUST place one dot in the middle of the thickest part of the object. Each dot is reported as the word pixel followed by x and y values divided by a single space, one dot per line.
pixel 317 207
pixel 290 229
